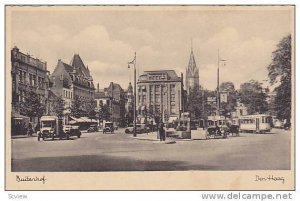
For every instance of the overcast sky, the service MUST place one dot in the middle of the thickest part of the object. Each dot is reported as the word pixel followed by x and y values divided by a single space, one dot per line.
pixel 106 40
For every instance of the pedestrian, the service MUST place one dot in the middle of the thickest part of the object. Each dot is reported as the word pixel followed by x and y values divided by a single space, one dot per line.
pixel 24 129
pixel 161 131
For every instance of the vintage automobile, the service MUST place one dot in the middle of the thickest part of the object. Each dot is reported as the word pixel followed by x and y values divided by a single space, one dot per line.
pixel 108 127
pixel 71 130
pixel 93 128
pixel 139 128
pixel 52 127
pixel 217 127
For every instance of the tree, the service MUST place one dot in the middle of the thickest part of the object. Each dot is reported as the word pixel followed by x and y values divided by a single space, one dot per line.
pixel 90 107
pixel 227 86
pixel 57 106
pixel 279 72
pixel 195 103
pixel 104 113
pixel 77 109
pixel 31 105
pixel 252 95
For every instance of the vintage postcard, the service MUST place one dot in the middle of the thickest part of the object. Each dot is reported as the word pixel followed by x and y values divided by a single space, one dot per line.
pixel 150 97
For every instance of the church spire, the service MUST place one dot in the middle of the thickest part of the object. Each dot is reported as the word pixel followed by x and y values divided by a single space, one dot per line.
pixel 192 72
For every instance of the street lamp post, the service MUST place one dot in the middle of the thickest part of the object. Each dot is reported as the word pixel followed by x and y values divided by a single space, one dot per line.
pixel 134 93
pixel 218 83
pixel 163 85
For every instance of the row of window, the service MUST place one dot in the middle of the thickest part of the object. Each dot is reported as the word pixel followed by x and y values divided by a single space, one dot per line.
pixel 253 121
pixel 32 80
pixel 68 94
pixel 156 88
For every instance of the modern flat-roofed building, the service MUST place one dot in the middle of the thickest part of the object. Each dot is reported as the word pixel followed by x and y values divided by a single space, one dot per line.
pixel 160 91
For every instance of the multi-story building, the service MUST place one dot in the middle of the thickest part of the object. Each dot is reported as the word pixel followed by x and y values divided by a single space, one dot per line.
pixel 114 97
pixel 129 98
pixel 28 74
pixel 192 74
pixel 72 80
pixel 162 91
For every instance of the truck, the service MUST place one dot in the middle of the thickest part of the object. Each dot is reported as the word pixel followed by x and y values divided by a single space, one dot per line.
pixel 53 127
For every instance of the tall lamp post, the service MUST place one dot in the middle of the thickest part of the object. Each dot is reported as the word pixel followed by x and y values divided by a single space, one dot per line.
pixel 218 83
pixel 134 93
pixel 163 86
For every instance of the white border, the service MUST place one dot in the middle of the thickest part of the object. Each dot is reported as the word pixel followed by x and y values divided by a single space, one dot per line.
pixel 124 196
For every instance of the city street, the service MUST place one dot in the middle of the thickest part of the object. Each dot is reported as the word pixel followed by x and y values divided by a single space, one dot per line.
pixel 121 152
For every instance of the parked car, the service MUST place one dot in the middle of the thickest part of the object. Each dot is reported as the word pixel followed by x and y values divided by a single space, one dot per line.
pixel 108 127
pixel 140 128
pixel 93 128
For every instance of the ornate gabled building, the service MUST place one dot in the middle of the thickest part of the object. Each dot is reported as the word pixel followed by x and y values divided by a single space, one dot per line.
pixel 192 74
pixel 72 80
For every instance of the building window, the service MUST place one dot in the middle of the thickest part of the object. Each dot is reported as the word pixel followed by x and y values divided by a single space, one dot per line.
pixel 20 76
pixel 30 79
pixel 172 98
pixel 34 80
pixel 157 98
pixel 173 109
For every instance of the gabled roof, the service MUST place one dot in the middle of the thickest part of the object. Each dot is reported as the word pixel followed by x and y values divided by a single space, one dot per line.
pixel 79 65
pixel 114 86
pixel 67 67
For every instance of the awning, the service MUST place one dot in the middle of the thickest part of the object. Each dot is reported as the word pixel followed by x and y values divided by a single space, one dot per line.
pixel 18 116
pixel 82 120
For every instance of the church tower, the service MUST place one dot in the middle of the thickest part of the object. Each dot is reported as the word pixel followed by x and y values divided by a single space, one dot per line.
pixel 192 74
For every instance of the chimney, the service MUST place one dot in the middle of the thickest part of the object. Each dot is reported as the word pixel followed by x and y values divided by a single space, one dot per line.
pixel 98 90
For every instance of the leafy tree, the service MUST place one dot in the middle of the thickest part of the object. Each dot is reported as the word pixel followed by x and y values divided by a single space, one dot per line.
pixel 77 108
pixel 57 106
pixel 104 113
pixel 195 103
pixel 31 105
pixel 280 73
pixel 252 95
pixel 227 86
pixel 90 107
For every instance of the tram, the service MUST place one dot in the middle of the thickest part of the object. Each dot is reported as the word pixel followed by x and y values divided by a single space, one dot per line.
pixel 260 123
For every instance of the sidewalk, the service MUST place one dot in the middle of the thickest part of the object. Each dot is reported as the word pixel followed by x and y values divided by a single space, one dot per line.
pixel 22 136
pixel 153 136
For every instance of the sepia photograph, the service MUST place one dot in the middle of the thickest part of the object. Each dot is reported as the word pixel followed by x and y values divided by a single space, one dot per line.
pixel 150 97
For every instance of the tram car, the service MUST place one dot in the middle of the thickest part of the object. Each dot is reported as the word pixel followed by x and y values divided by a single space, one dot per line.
pixel 260 123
